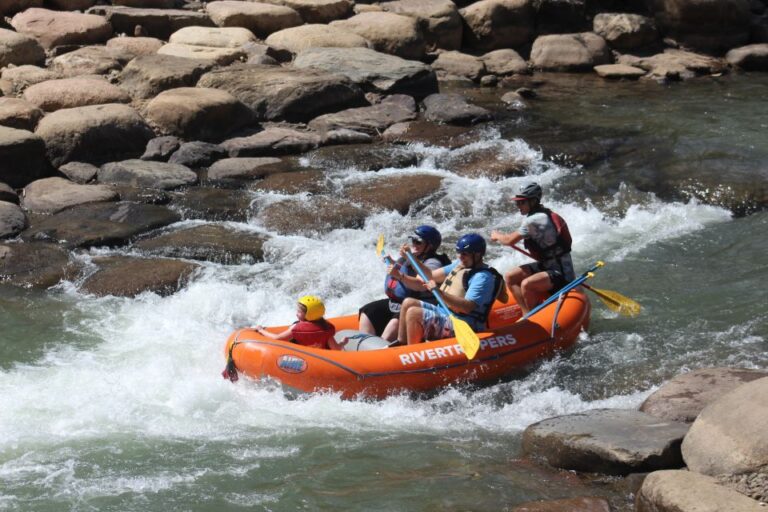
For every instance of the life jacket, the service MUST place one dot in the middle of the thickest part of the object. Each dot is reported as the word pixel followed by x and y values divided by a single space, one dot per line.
pixel 457 283
pixel 562 243
pixel 315 334
pixel 397 291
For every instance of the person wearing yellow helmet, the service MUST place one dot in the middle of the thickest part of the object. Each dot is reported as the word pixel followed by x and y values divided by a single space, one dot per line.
pixel 310 329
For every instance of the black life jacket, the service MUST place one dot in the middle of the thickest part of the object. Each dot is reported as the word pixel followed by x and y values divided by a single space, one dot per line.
pixel 397 291
pixel 562 243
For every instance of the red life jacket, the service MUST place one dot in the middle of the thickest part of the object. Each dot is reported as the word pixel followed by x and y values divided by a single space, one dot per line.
pixel 562 244
pixel 315 334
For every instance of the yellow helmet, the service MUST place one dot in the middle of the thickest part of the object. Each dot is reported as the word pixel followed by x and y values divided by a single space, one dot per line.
pixel 315 307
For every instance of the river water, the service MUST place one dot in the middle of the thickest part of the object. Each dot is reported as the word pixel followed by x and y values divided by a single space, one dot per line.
pixel 117 404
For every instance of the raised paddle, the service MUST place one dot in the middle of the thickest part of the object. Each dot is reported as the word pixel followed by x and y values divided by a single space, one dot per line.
pixel 565 289
pixel 612 300
pixel 466 337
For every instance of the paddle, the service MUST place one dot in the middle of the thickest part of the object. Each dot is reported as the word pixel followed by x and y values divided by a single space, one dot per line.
pixel 570 286
pixel 612 300
pixel 466 337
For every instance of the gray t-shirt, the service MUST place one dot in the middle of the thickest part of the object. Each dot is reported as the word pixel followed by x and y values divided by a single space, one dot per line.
pixel 541 230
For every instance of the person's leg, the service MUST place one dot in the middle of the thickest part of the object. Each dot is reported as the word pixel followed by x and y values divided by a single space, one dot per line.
pixel 414 325
pixel 374 316
pixel 365 324
pixel 390 331
pixel 514 279
pixel 402 333
pixel 535 288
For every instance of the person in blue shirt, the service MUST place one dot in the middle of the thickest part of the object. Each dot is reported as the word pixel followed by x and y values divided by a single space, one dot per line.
pixel 469 288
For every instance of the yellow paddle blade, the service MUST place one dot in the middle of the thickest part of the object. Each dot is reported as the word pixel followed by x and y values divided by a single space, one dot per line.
pixel 618 302
pixel 380 245
pixel 466 337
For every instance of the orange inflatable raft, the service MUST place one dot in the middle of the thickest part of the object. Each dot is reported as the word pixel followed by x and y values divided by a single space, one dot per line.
pixel 506 348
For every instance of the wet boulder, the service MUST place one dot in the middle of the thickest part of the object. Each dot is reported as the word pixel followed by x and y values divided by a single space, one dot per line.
pixel 338 136
pixel 100 224
pixel 50 195
pixel 12 220
pixel 56 28
pixel 197 154
pixel 495 24
pixel 209 242
pixel 570 52
pixel 260 18
pixel 683 397
pixel 310 181
pixel 402 194
pixel 626 31
pixel 316 215
pixel 729 435
pixel 454 109
pixel 147 76
pixel 753 57
pixel 197 113
pixel 296 39
pixel 33 265
pixel 213 204
pixel 272 141
pixel 159 23
pixel 504 62
pixel 294 95
pixel 123 276
pixel 213 37
pixel 135 46
pixel 319 11
pixel 426 132
pixel 89 60
pixel 146 174
pixel 74 92
pixel 18 113
pixel 373 71
pixel 371 120
pixel 237 171
pixel 610 441
pixel 22 157
pixel 19 49
pixel 388 33
pixel 687 491
pixel 675 65
pixel 708 25
pixel 93 134
pixel 362 158
pixel 452 64
pixel 439 20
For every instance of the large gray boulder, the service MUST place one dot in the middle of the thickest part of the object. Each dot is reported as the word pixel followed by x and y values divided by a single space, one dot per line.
pixel 149 75
pixel 371 120
pixel 611 441
pixel 22 157
pixel 260 18
pixel 236 171
pixel 709 25
pixel 12 220
pixel 753 57
pixel 214 37
pixel 318 11
pixel 100 224
pixel 504 62
pixel 373 71
pixel 296 39
pixel 123 276
pixel 146 174
pixel 388 33
pixel 74 92
pixel 454 109
pixel 55 28
pixel 159 23
pixel 33 265
pixel 208 242
pixel 729 435
pixel 456 64
pixel 197 113
pixel 673 65
pixel 25 75
pixel 686 491
pixel 313 216
pixel 135 46
pixel 50 195
pixel 570 52
pixel 18 113
pixel 626 31
pixel 89 60
pixel 295 95
pixel 439 20
pixel 19 49
pixel 684 396
pixel 272 141
pixel 402 194
pixel 216 55
pixel 93 134
pixel 215 204
pixel 495 24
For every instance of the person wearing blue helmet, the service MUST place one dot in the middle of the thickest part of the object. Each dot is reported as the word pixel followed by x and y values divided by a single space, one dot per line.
pixel 548 240
pixel 469 288
pixel 381 317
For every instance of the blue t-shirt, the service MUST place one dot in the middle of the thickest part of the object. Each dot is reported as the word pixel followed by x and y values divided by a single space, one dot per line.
pixel 479 291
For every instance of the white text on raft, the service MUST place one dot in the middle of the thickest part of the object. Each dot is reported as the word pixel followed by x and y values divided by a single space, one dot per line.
pixel 432 354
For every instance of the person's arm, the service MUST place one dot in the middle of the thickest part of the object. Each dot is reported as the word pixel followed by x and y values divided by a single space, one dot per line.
pixel 285 335
pixel 506 238
pixel 454 302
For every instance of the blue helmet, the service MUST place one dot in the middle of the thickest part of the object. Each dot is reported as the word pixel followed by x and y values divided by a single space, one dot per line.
pixel 472 243
pixel 430 235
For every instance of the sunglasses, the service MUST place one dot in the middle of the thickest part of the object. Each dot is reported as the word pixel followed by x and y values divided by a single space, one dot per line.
pixel 417 241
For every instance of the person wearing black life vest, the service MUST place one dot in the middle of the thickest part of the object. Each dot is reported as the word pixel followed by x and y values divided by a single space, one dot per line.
pixel 468 287
pixel 381 317
pixel 546 237
pixel 310 329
